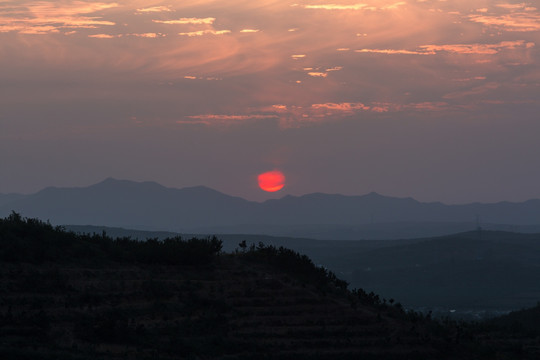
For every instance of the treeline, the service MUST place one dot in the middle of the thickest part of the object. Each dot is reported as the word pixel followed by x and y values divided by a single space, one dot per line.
pixel 34 241
pixel 293 262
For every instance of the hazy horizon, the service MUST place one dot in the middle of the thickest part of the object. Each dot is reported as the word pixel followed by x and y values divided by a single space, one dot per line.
pixel 276 196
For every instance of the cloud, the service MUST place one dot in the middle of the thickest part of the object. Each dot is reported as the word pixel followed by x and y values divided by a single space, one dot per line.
pixel 416 63
pixel 335 68
pixel 479 49
pixel 394 5
pixel 512 6
pixel 141 35
pixel 204 32
pixel 395 52
pixel 317 74
pixel 208 78
pixel 470 79
pixel 337 7
pixel 483 49
pixel 342 107
pixel 358 6
pixel 184 21
pixel 147 35
pixel 102 36
pixel 154 9
pixel 230 117
pixel 50 17
pixel 294 116
pixel 516 22
pixel 223 119
pixel 519 17
pixel 290 116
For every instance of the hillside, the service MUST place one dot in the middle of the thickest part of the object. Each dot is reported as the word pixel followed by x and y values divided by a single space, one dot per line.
pixel 68 296
pixel 466 275
pixel 201 210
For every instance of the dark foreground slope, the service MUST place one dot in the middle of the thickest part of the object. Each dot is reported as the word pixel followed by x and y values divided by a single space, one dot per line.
pixel 472 275
pixel 67 296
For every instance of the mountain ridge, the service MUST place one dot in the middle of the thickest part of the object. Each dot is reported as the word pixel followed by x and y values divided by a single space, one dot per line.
pixel 149 205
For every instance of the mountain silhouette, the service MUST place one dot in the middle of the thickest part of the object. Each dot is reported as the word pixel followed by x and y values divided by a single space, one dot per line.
pixel 149 205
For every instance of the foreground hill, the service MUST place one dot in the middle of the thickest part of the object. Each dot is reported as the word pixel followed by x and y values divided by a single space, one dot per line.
pixel 467 275
pixel 67 296
pixel 151 206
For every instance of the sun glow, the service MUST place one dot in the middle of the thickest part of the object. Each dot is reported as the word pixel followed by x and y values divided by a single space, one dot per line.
pixel 271 181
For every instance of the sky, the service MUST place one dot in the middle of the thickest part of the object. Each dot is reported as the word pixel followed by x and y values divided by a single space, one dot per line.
pixel 431 99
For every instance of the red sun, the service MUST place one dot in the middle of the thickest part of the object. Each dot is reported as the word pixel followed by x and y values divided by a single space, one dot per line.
pixel 271 181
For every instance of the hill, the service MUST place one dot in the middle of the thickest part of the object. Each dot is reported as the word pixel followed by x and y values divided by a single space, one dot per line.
pixel 150 206
pixel 482 271
pixel 466 275
pixel 68 296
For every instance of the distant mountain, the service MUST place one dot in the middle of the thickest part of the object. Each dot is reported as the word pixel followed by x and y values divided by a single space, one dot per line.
pixel 7 198
pixel 150 206
pixel 145 205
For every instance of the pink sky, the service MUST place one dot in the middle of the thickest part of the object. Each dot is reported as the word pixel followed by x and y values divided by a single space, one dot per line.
pixel 433 99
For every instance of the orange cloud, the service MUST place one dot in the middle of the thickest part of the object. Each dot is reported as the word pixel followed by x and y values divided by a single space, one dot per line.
pixel 147 35
pixel 481 49
pixel 335 68
pixel 222 119
pixel 319 36
pixel 295 116
pixel 337 7
pixel 230 117
pixel 511 6
pixel 205 32
pixel 516 22
pixel 50 17
pixel 484 49
pixel 358 6
pixel 183 21
pixel 344 107
pixel 470 79
pixel 102 36
pixel 317 74
pixel 395 52
pixel 154 9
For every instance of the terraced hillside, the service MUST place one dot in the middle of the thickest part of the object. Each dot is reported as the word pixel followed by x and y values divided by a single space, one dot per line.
pixel 67 296
pixel 232 308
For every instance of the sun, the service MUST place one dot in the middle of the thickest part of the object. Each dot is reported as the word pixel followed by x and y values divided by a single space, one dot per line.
pixel 271 181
